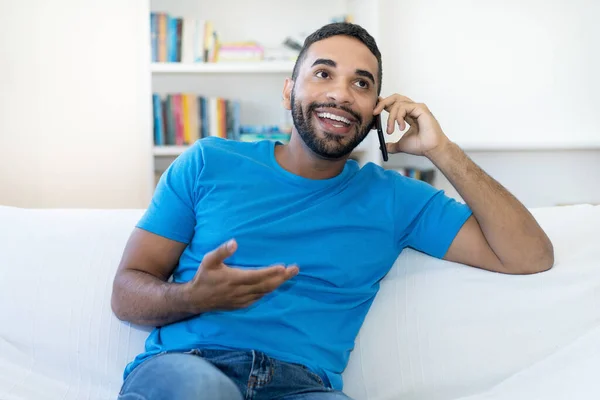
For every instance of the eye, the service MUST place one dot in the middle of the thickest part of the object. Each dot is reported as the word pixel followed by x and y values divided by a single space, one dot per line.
pixel 362 84
pixel 322 74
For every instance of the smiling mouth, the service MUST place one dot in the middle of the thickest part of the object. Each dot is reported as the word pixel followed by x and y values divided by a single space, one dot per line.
pixel 336 120
pixel 334 124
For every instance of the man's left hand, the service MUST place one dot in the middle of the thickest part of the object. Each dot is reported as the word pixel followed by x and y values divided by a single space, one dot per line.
pixel 425 135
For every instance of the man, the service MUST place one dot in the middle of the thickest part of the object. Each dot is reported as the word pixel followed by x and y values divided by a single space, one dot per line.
pixel 276 251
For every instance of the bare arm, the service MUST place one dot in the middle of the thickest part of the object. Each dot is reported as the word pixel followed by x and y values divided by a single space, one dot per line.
pixel 141 293
pixel 501 235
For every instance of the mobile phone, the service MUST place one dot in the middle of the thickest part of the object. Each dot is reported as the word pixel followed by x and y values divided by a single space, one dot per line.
pixel 377 125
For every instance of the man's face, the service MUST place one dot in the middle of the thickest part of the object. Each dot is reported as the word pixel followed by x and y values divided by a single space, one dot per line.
pixel 333 97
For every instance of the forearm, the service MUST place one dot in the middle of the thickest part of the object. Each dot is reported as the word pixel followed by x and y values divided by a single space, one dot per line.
pixel 143 299
pixel 509 228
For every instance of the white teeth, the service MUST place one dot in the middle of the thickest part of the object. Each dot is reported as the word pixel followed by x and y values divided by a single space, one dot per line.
pixel 334 117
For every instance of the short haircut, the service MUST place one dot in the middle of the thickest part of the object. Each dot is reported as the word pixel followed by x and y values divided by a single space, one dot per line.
pixel 345 29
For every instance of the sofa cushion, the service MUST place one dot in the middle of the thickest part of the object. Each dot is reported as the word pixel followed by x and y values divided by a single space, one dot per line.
pixel 58 336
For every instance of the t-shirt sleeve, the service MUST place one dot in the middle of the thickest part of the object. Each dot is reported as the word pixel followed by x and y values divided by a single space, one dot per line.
pixel 171 212
pixel 427 219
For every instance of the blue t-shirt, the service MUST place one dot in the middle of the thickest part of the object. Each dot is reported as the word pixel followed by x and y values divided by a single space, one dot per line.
pixel 344 233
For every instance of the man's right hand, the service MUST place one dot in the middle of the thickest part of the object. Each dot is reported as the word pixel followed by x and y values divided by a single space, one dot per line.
pixel 218 287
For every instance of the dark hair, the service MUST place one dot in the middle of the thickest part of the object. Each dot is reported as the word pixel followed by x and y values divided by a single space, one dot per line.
pixel 346 29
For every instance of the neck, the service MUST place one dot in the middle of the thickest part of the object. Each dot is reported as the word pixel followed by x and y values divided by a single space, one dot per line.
pixel 298 159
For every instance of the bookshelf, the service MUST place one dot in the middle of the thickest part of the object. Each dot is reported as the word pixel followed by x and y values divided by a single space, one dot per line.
pixel 255 85
pixel 254 67
pixel 168 150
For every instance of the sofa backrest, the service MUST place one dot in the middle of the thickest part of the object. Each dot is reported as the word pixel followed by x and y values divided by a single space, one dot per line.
pixel 437 330
pixel 440 330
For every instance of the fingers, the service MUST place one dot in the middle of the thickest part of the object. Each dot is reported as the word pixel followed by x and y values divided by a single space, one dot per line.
pixel 245 295
pixel 215 258
pixel 399 108
pixel 381 104
pixel 398 114
pixel 401 144
pixel 408 140
pixel 388 102
pixel 392 119
pixel 264 287
pixel 413 125
pixel 263 281
pixel 258 276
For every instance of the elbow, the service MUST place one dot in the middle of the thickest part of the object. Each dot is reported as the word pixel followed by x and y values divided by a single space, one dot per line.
pixel 541 260
pixel 542 264
pixel 116 309
pixel 116 302
pixel 549 256
pixel 545 260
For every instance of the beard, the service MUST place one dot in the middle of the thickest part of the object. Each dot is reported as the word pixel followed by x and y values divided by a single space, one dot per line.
pixel 330 146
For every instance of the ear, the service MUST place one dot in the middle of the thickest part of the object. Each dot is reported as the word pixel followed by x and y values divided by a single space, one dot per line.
pixel 286 98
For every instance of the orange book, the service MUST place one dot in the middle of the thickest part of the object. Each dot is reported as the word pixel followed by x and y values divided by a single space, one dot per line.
pixel 162 37
pixel 218 117
pixel 222 118
pixel 185 108
pixel 194 119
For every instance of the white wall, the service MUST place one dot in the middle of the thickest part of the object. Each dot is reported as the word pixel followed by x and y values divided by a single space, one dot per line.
pixel 514 83
pixel 75 113
pixel 537 178
pixel 74 104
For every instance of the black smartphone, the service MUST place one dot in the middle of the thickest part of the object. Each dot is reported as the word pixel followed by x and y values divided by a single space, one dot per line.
pixel 377 125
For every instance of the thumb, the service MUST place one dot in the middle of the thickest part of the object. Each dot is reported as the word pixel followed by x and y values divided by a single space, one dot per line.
pixel 402 145
pixel 213 259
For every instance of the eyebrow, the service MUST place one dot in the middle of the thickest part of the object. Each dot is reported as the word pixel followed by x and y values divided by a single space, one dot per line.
pixel 331 63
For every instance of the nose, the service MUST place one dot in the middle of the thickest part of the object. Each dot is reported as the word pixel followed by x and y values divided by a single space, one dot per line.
pixel 340 93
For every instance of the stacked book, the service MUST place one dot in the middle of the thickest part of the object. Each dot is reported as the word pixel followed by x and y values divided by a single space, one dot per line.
pixel 182 118
pixel 194 40
pixel 182 39
pixel 420 174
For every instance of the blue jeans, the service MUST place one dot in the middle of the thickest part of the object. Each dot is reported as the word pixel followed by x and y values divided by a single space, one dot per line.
pixel 224 375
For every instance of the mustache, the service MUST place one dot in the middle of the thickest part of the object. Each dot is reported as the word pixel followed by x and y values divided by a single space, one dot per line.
pixel 314 106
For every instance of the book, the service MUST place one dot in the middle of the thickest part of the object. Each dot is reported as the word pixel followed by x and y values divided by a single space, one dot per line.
pixel 182 118
pixel 182 39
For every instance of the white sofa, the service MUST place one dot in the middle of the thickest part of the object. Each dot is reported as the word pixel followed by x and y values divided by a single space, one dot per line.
pixel 437 330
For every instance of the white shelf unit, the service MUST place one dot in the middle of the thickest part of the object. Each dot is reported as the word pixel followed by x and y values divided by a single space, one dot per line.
pixel 257 85
pixel 265 67
pixel 168 151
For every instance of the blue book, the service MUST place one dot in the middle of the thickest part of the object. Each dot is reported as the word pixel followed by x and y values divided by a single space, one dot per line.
pixel 171 39
pixel 159 132
pixel 154 36
pixel 236 120
pixel 205 118
pixel 170 120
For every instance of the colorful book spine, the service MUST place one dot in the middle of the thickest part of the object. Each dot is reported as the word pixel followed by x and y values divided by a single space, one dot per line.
pixel 182 39
pixel 178 113
pixel 159 131
pixel 185 109
pixel 162 37
pixel 154 36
